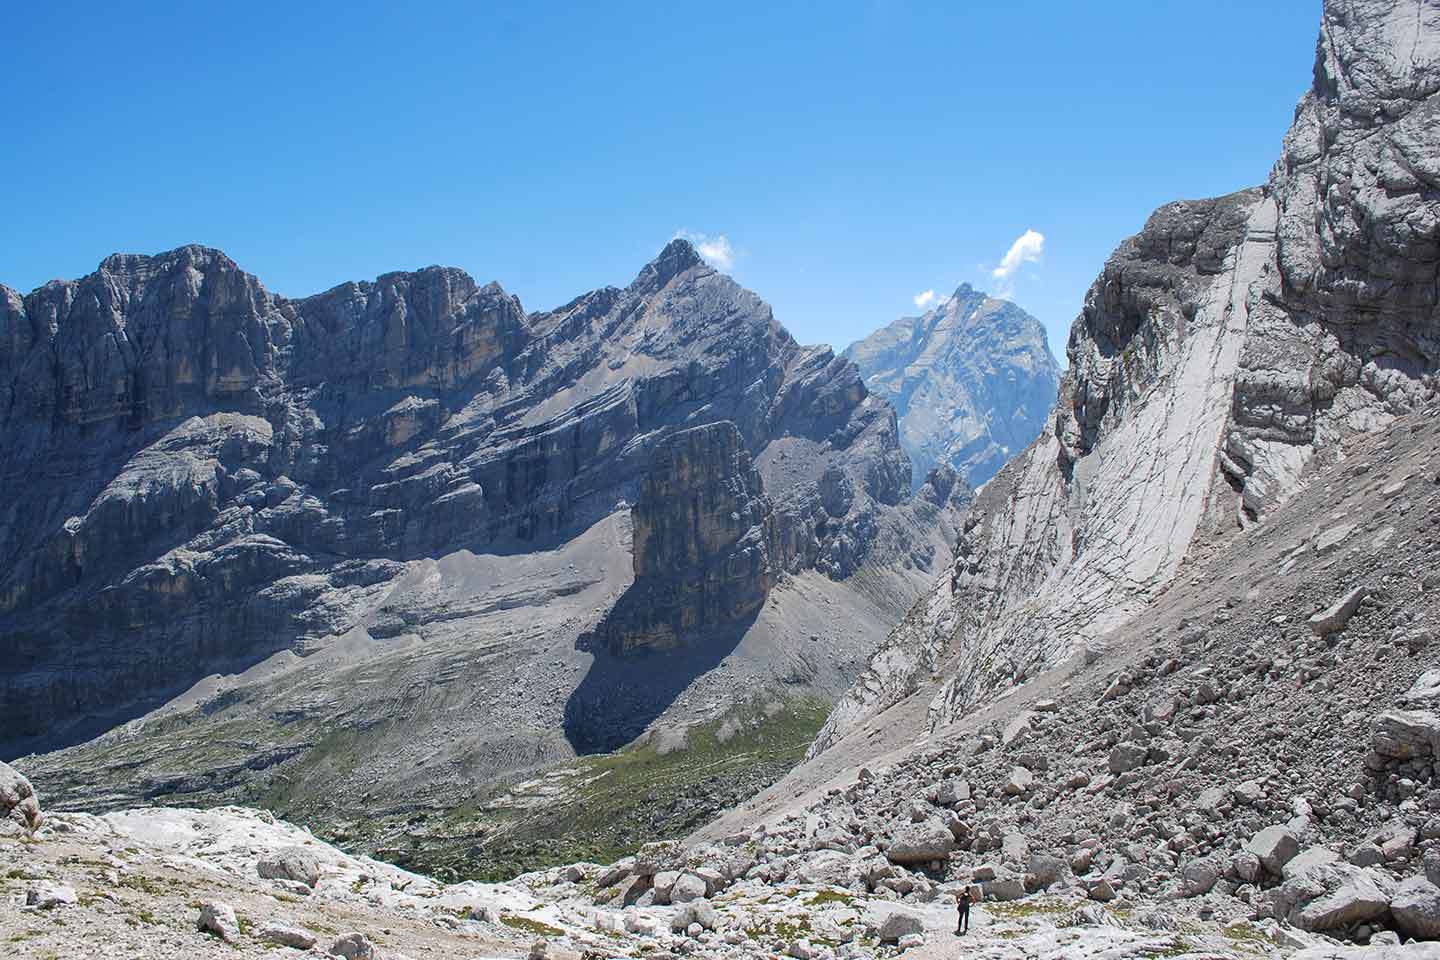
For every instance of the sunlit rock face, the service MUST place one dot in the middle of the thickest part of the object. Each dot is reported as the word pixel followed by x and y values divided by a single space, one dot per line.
pixel 1224 350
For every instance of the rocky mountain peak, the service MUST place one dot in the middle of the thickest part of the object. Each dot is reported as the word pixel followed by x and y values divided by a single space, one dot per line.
pixel 678 256
pixel 970 380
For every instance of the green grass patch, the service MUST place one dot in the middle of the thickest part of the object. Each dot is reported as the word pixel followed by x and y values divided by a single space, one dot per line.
pixel 830 896
pixel 1031 907
pixel 535 927
pixel 617 802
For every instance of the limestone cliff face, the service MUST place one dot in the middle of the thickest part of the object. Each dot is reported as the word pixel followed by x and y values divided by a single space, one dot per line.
pixel 972 381
pixel 1221 351
pixel 705 549
pixel 216 476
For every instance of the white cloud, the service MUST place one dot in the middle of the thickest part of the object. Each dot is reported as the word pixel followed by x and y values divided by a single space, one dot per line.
pixel 714 249
pixel 923 300
pixel 1027 248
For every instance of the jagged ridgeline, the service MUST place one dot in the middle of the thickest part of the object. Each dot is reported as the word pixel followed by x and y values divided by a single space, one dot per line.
pixel 405 537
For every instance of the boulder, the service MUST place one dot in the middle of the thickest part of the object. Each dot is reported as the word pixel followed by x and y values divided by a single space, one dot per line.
pixel 826 867
pixel 698 911
pixel 1014 847
pixel 1406 734
pixel 1416 908
pixel 1125 757
pixel 1043 870
pixel 18 799
pixel 290 863
pixel 285 935
pixel 1333 896
pixel 614 873
pixel 664 882
pixel 1017 731
pixel 1099 888
pixel 45 895
pixel 951 792
pixel 1308 859
pixel 891 922
pixel 689 887
pixel 1334 619
pixel 1198 876
pixel 1275 846
pixel 920 843
pixel 353 946
pixel 219 919
pixel 1005 887
pixel 1211 799
pixel 1021 782
pixel 1424 692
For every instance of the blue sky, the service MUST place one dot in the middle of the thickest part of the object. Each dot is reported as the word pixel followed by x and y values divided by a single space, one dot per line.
pixel 851 155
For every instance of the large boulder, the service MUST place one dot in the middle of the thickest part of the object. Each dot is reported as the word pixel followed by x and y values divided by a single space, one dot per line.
pixel 1043 870
pixel 1003 887
pixel 827 866
pixel 353 946
pixel 1307 860
pixel 688 888
pixel 1405 734
pixel 46 895
pixel 951 792
pixel 18 799
pixel 1424 692
pixel 697 911
pixel 1416 908
pixel 286 935
pixel 891 922
pixel 1020 782
pixel 1333 896
pixel 663 883
pixel 1018 731
pixel 920 842
pixel 290 863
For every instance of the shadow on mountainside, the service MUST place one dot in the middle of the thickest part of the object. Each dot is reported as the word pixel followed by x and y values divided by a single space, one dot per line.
pixel 622 695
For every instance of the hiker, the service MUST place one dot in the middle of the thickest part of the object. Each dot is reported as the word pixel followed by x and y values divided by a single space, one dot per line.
pixel 962 904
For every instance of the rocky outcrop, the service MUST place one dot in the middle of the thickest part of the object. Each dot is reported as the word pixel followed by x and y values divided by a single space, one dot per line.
pixel 972 381
pixel 1224 350
pixel 17 799
pixel 706 551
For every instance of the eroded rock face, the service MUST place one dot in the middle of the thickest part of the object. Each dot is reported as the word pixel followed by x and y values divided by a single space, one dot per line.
pixel 972 381
pixel 1222 350
pixel 706 545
